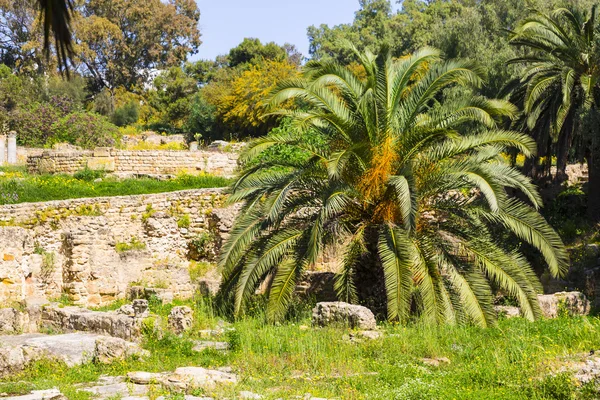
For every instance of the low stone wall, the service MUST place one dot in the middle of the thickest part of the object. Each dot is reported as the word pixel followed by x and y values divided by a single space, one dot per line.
pixel 134 162
pixel 93 250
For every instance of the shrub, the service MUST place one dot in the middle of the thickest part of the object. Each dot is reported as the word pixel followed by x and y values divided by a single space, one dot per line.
pixel 88 175
pixel 201 246
pixel 127 114
pixel 133 244
pixel 87 130
pixel 35 123
pixel 184 221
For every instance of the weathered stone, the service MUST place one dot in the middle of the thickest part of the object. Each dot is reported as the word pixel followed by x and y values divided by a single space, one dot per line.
pixel 203 345
pixel 80 319
pixel 373 335
pixel 72 349
pixel 180 319
pixel 250 396
pixel 12 359
pixel 140 307
pixel 126 309
pixel 117 390
pixel 508 311
pixel 144 378
pixel 336 313
pixel 436 362
pixel 109 349
pixel 197 377
pixel 82 257
pixel 50 394
pixel 208 287
pixel 575 303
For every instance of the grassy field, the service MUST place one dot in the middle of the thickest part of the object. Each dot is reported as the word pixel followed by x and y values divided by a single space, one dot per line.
pixel 16 186
pixel 512 361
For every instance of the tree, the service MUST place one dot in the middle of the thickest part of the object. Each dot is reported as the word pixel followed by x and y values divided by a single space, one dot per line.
pixel 251 52
pixel 414 191
pixel 119 42
pixel 561 75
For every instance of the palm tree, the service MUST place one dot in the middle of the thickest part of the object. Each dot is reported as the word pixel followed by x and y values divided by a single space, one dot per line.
pixel 56 19
pixel 561 70
pixel 398 186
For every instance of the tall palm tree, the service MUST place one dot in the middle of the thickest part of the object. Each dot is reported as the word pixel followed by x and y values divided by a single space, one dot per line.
pixel 56 19
pixel 411 185
pixel 562 67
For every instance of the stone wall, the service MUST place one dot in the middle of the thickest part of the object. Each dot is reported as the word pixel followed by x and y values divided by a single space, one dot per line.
pixel 132 162
pixel 93 250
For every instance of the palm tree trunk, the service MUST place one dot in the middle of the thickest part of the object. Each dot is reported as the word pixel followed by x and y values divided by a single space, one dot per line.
pixel 593 210
pixel 562 155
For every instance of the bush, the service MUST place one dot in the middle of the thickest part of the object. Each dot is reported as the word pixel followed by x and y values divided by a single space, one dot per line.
pixel 35 123
pixel 88 175
pixel 87 130
pixel 127 114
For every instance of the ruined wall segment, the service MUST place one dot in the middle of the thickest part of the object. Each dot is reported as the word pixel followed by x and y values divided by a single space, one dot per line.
pixel 94 250
pixel 134 162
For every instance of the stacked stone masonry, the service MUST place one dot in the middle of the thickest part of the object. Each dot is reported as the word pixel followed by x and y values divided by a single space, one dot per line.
pixel 94 250
pixel 130 162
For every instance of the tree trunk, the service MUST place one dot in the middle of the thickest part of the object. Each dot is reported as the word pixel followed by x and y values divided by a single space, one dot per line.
pixel 594 185
pixel 562 153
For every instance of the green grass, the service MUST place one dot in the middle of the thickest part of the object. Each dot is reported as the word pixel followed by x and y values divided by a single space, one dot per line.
pixel 510 361
pixel 16 186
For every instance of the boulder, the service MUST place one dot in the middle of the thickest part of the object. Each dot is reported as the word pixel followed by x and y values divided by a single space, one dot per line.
pixel 508 311
pixel 575 303
pixel 109 349
pixel 339 313
pixel 180 319
pixel 16 352
pixel 81 319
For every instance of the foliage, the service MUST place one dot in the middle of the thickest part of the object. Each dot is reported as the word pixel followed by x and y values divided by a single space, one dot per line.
pixel 84 129
pixel 517 360
pixel 89 175
pixel 412 189
pixel 35 188
pixel 201 120
pixel 172 96
pixel 560 77
pixel 127 114
pixel 239 99
pixel 134 244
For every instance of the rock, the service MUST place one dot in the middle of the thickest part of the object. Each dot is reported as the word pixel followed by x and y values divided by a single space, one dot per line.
pixel 81 319
pixel 197 377
pixel 117 390
pixel 72 349
pixel 140 307
pixel 508 311
pixel 12 359
pixel 180 319
pixel 336 313
pixel 109 349
pixel 435 362
pixel 370 334
pixel 574 302
pixel 250 396
pixel 10 320
pixel 144 378
pixel 126 309
pixel 208 287
pixel 203 345
pixel 50 394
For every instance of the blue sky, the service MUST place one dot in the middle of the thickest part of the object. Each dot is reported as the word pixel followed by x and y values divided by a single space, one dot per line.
pixel 225 23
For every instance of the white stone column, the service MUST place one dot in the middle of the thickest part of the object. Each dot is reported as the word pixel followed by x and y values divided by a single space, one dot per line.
pixel 2 149
pixel 12 147
pixel 193 146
